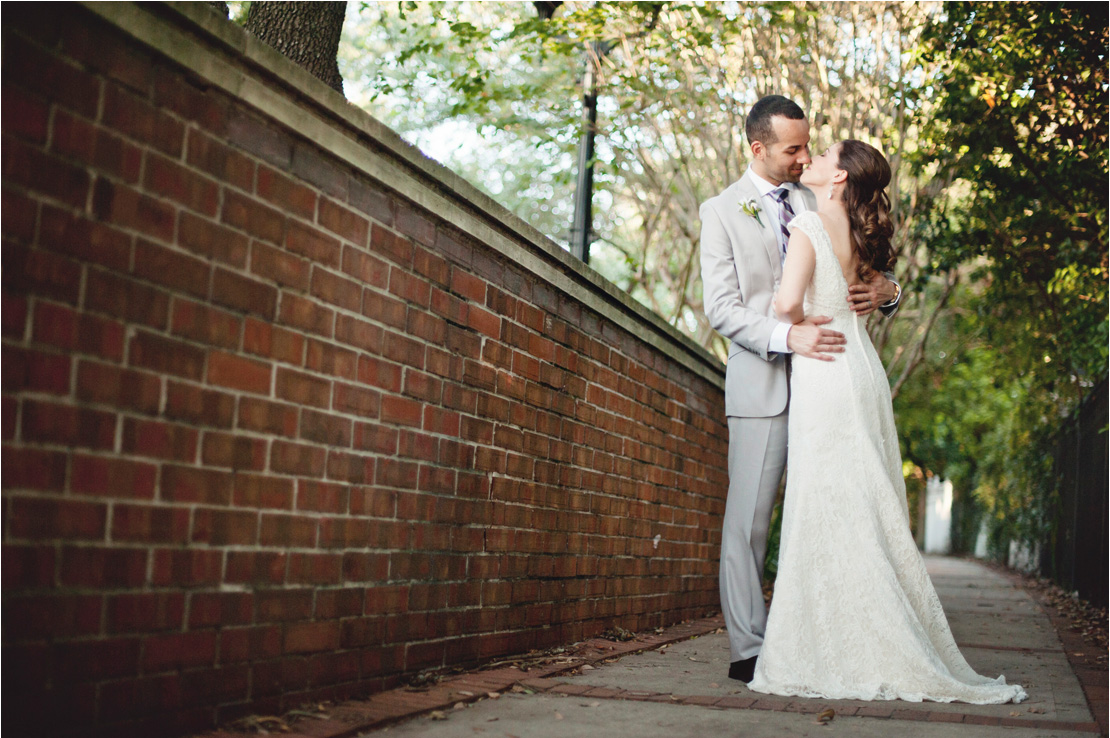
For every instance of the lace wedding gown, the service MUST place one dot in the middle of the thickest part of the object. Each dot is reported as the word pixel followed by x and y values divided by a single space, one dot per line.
pixel 854 615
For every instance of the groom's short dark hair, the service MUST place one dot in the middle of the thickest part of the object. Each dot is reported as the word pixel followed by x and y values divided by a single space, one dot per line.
pixel 758 126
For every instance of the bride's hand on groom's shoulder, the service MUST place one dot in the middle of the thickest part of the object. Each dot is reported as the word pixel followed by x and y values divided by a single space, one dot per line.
pixel 809 339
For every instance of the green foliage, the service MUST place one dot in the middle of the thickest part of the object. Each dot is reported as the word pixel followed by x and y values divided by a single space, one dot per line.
pixel 448 75
pixel 1020 128
pixel 1022 103
pixel 969 422
pixel 774 545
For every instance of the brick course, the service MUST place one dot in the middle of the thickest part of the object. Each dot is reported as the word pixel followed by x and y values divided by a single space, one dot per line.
pixel 272 430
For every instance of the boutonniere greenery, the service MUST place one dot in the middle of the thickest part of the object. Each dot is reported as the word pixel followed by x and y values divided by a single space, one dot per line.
pixel 751 208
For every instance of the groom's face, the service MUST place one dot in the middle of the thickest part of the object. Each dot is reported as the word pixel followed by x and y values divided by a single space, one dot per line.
pixel 787 156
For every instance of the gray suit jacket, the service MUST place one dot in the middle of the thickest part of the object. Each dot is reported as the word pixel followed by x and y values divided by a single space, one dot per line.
pixel 741 270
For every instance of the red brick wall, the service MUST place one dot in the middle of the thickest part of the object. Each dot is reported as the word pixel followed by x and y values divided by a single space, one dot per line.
pixel 273 433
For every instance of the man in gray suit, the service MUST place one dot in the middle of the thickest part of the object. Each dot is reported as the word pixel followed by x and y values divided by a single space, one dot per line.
pixel 743 244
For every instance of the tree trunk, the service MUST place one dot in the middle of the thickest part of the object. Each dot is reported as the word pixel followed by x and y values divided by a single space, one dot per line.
pixel 306 32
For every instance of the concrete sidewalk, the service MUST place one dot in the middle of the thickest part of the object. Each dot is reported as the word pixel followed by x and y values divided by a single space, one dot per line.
pixel 673 684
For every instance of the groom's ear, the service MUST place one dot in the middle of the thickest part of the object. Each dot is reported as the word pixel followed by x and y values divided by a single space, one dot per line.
pixel 758 149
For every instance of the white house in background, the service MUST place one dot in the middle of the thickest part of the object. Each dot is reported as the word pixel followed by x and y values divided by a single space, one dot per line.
pixel 1023 556
pixel 938 516
pixel 981 540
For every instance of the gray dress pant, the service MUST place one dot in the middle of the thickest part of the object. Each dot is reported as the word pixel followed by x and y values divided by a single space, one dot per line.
pixel 756 459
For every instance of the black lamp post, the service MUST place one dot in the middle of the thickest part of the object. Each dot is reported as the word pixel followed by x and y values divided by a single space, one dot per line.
pixel 581 231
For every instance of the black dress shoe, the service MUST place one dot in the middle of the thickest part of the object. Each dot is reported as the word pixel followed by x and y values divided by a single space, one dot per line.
pixel 742 670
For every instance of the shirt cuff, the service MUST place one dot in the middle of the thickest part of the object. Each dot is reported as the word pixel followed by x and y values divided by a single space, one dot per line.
pixel 778 343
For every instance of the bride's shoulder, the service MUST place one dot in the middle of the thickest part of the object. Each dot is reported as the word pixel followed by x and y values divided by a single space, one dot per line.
pixel 808 222
pixel 827 221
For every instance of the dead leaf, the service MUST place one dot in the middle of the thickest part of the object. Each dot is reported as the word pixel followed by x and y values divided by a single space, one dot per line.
pixel 1036 710
pixel 714 685
pixel 438 715
pixel 826 716
pixel 590 704
pixel 587 667
pixel 493 695
pixel 263 724
pixel 459 706
pixel 465 694
pixel 558 715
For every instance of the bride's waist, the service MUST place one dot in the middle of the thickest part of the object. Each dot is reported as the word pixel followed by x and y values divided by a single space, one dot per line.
pixel 834 310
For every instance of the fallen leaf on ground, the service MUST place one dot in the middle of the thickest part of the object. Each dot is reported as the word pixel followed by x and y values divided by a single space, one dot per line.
pixel 438 715
pixel 590 704
pixel 1036 710
pixel 714 685
pixel 587 667
pixel 262 724
pixel 617 633
pixel 826 716
pixel 493 695
pixel 558 715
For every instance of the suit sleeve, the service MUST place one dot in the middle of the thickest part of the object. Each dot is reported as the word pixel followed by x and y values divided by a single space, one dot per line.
pixel 724 302
pixel 891 308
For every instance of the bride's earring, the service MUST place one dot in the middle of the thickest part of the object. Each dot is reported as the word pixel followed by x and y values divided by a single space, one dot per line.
pixel 830 193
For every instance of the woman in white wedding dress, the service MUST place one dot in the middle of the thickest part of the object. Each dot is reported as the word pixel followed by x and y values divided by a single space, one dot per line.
pixel 854 615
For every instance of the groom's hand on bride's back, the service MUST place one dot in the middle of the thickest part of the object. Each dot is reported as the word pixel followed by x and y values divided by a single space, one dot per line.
pixel 809 339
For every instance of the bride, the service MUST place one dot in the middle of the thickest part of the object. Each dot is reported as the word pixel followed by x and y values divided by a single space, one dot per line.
pixel 854 615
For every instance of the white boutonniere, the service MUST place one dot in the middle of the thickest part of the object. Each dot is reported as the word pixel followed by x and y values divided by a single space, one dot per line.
pixel 751 208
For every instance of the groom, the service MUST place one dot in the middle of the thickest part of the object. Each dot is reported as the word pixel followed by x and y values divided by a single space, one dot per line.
pixel 743 244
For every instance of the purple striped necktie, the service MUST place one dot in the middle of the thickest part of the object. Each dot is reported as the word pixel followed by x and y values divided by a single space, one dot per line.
pixel 786 214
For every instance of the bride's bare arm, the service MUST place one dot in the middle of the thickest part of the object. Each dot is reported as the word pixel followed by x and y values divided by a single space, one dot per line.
pixel 797 271
pixel 807 337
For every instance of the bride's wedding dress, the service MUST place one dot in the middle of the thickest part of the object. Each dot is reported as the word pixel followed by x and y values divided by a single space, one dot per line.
pixel 854 614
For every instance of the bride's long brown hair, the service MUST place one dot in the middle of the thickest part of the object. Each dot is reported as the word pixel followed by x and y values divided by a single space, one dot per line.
pixel 868 206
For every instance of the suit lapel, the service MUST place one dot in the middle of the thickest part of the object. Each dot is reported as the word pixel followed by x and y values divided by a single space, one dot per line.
pixel 765 226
